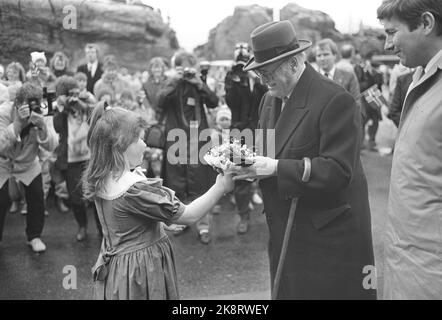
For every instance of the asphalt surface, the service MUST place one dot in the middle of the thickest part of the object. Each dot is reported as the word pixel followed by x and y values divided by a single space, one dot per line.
pixel 230 267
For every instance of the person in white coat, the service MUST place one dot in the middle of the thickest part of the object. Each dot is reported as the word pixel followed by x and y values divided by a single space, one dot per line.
pixel 413 236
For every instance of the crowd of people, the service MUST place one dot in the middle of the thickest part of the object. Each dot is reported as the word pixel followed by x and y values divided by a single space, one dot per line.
pixel 163 99
pixel 167 95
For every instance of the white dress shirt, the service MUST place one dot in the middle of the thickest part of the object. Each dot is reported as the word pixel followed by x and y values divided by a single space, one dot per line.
pixel 331 73
pixel 92 68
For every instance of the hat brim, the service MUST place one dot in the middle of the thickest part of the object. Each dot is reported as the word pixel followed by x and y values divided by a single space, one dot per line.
pixel 252 64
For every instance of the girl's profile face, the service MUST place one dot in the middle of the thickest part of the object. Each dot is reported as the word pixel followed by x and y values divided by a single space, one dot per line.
pixel 135 152
pixel 224 123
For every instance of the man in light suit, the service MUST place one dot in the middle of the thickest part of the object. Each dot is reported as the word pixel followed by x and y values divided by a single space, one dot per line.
pixel 93 69
pixel 315 163
pixel 326 56
pixel 413 235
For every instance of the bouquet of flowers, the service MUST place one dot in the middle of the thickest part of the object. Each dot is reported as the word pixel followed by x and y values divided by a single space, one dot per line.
pixel 229 154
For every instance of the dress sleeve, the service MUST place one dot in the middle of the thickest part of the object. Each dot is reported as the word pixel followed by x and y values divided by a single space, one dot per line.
pixel 156 203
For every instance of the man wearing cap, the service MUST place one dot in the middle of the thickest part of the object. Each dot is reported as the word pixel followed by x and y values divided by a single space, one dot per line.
pixel 312 168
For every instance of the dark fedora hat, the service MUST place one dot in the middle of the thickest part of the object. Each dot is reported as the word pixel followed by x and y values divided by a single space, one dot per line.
pixel 274 41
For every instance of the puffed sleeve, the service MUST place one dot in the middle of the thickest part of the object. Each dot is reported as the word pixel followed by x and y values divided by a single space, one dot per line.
pixel 152 202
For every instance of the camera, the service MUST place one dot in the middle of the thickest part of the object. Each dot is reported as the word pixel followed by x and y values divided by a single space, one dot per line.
pixel 49 95
pixel 40 107
pixel 189 73
pixel 35 105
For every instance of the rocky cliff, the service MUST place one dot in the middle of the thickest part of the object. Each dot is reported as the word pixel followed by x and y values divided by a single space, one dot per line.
pixel 133 33
pixel 309 24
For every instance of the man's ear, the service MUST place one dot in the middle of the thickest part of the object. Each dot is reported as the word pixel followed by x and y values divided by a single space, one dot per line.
pixel 429 22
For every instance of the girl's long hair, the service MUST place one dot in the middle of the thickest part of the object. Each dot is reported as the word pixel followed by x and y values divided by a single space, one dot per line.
pixel 19 68
pixel 111 132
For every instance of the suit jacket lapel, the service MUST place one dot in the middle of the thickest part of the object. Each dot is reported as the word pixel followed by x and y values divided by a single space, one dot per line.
pixel 337 77
pixel 294 111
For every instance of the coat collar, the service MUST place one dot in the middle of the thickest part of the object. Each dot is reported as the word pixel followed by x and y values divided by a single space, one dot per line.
pixel 294 111
pixel 419 85
pixel 430 70
pixel 114 189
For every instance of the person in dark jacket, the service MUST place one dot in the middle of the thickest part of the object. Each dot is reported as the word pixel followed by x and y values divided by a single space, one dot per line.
pixel 400 92
pixel 258 92
pixel 368 76
pixel 182 103
pixel 311 168
pixel 239 99
pixel 93 68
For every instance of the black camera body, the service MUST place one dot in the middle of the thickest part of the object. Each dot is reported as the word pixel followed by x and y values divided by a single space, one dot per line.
pixel 35 105
pixel 189 73
pixel 75 105
pixel 50 97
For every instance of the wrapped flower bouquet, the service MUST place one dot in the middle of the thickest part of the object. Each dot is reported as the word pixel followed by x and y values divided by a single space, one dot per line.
pixel 231 153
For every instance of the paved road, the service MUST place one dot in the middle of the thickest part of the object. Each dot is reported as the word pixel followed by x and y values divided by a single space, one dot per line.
pixel 230 267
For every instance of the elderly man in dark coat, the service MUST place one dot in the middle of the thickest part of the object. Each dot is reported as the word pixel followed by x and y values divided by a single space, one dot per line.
pixel 310 169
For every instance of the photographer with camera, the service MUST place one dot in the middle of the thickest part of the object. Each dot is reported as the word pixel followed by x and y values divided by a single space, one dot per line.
pixel 182 103
pixel 23 129
pixel 70 122
pixel 239 87
pixel 39 73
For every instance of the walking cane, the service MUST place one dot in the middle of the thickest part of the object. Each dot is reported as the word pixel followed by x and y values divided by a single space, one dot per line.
pixel 288 231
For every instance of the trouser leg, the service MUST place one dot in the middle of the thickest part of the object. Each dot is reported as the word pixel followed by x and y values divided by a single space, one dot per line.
pixel 243 196
pixel 5 203
pixel 373 129
pixel 36 208
pixel 73 181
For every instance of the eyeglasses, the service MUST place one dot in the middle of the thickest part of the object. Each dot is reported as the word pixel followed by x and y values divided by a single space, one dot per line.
pixel 268 75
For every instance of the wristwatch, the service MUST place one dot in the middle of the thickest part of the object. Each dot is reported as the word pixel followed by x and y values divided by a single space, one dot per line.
pixel 307 170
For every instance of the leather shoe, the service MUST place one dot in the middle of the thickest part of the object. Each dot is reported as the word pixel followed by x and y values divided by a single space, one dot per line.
pixel 205 237
pixel 243 227
pixel 81 235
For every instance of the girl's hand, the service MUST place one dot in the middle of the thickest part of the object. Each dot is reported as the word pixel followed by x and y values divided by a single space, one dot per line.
pixel 226 181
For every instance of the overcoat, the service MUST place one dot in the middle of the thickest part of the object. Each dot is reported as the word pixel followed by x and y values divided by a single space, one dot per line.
pixel 330 252
pixel 413 233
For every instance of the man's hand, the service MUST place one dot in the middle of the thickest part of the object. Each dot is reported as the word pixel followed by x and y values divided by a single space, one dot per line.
pixel 37 120
pixel 24 112
pixel 195 81
pixel 263 167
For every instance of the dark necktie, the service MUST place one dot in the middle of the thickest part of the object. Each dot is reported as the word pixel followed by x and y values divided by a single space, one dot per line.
pixel 278 106
pixel 327 75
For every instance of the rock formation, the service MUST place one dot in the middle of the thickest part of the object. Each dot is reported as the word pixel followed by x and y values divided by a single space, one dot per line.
pixel 133 33
pixel 309 24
